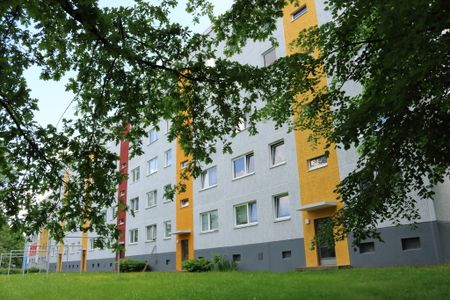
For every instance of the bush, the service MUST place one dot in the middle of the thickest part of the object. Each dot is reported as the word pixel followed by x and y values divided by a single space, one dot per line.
pixel 133 265
pixel 4 271
pixel 197 265
pixel 222 264
pixel 35 270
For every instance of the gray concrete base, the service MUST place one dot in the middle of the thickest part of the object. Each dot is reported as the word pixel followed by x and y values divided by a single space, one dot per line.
pixel 262 256
pixel 444 235
pixel 390 251
pixel 158 261
pixel 101 265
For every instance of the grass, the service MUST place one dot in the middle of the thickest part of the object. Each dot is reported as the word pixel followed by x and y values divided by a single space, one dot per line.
pixel 426 282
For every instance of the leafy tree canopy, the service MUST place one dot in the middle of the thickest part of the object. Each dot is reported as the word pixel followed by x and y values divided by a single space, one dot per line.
pixel 134 65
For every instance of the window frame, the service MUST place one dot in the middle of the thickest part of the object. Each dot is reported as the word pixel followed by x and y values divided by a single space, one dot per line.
pixel 134 202
pixel 205 176
pixel 299 12
pixel 167 235
pixel 272 153
pixel 246 165
pixel 276 206
pixel 265 53
pixel 155 234
pixel 135 174
pixel 134 232
pixel 208 214
pixel 149 172
pixel 155 134
pixel 310 168
pixel 155 197
pixel 249 222
pixel 166 161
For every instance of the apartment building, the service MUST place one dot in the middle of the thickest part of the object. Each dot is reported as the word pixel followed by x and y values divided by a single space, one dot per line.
pixel 260 206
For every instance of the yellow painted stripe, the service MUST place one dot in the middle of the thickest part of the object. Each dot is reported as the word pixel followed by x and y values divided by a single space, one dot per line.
pixel 317 185
pixel 184 215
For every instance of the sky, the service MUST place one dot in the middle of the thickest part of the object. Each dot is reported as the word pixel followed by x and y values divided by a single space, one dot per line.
pixel 52 96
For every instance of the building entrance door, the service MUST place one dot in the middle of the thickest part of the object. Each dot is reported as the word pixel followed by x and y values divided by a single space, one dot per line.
pixel 326 254
pixel 184 250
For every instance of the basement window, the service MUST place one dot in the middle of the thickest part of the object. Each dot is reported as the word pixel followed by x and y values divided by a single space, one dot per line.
pixel 411 243
pixel 368 247
pixel 286 254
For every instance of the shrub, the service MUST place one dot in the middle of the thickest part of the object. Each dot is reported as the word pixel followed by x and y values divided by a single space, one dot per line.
pixel 222 264
pixel 197 265
pixel 133 265
pixel 35 270
pixel 4 271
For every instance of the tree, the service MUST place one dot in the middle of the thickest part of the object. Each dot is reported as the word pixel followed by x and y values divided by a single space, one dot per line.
pixel 134 66
pixel 9 240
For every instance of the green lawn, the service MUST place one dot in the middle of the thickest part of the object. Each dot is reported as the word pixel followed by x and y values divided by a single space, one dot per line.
pixel 431 282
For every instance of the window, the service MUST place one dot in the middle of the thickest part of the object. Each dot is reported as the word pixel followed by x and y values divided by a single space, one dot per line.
pixel 245 214
pixel 168 157
pixel 152 135
pixel 134 204
pixel 152 165
pixel 105 216
pixel 243 122
pixel 151 233
pixel 184 164
pixel 209 178
pixel 210 220
pixel 367 247
pixel 298 13
pixel 269 57
pixel 286 254
pixel 184 203
pixel 91 244
pixel 243 165
pixel 168 193
pixel 134 236
pixel 167 125
pixel 281 205
pixel 411 243
pixel 167 229
pixel 135 174
pixel 317 162
pixel 151 198
pixel 236 258
pixel 278 153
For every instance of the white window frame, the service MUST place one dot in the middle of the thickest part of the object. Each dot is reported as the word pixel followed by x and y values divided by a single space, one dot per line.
pixel 167 234
pixel 273 49
pixel 299 12
pixel 311 168
pixel 167 124
pixel 246 172
pixel 184 164
pixel 204 179
pixel 182 205
pixel 149 169
pixel 155 198
pixel 152 136
pixel 243 123
pixel 135 174
pixel 153 232
pixel 208 213
pixel 133 236
pixel 249 223
pixel 134 204
pixel 164 192
pixel 276 200
pixel 272 153
pixel 168 163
